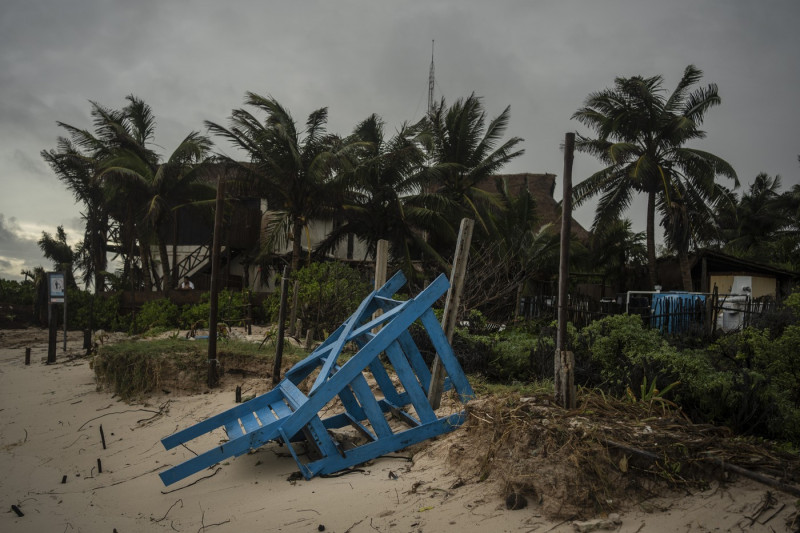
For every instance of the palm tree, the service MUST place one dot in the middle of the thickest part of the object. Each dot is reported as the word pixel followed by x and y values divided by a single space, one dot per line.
pixel 77 170
pixel 465 152
pixel 157 189
pixel 382 194
pixel 56 249
pixel 292 169
pixel 640 136
pixel 689 217
pixel 615 247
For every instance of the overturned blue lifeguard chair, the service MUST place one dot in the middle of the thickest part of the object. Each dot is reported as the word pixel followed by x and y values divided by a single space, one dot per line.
pixel 288 415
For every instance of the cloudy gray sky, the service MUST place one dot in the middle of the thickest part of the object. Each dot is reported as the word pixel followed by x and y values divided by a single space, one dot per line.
pixel 193 61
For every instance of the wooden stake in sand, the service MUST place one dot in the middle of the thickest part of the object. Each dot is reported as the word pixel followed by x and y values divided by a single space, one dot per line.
pixel 213 379
pixel 564 359
pixel 451 304
pixel 276 369
pixel 27 356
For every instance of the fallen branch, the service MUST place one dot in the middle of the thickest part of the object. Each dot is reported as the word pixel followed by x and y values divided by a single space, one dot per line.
pixel 117 413
pixel 755 476
pixel 194 482
pixel 168 510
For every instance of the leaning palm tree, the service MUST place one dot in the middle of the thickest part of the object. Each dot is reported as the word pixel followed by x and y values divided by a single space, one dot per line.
pixel 292 169
pixel 157 189
pixel 641 137
pixel 382 195
pixel 77 169
pixel 465 152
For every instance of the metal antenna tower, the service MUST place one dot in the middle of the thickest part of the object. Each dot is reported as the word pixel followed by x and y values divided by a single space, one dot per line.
pixel 431 83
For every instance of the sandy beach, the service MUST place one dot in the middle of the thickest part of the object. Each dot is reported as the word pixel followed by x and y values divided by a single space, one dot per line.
pixel 51 455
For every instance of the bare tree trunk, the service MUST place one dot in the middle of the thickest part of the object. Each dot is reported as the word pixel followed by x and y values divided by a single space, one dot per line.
pixel 651 239
pixel 686 271
pixel 297 242
pixel 165 270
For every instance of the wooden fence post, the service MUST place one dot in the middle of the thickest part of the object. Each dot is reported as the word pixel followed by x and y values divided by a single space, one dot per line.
pixel 276 368
pixel 451 304
pixel 213 378
pixel 565 359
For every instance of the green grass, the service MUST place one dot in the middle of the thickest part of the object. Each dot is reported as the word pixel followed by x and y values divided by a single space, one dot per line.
pixel 133 368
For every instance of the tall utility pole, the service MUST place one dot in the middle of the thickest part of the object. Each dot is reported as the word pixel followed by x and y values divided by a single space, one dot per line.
pixel 213 379
pixel 431 82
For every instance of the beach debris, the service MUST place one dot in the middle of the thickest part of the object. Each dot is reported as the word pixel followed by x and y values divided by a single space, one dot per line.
pixel 102 436
pixel 611 523
pixel 17 510
pixel 516 501
pixel 99 466
pixel 289 415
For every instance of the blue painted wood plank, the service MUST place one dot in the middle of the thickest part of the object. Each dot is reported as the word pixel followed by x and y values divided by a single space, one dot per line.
pixel 380 447
pixel 384 381
pixel 338 344
pixel 233 429
pixel 217 421
pixel 371 407
pixel 249 422
pixel 280 408
pixel 316 429
pixel 219 453
pixel 446 356
pixel 350 403
pixel 409 380
pixel 414 357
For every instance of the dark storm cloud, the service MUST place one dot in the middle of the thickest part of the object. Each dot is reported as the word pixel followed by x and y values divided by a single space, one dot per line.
pixel 194 61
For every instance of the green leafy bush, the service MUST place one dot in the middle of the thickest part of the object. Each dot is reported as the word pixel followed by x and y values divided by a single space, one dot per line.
pixel 161 313
pixel 17 292
pixel 328 293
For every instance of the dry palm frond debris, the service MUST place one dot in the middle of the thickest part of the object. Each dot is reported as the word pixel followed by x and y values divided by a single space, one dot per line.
pixel 606 454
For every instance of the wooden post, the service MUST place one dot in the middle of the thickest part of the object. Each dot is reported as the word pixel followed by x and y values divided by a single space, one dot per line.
pixel 213 379
pixel 276 368
pixel 564 359
pixel 53 337
pixel 293 315
pixel 457 274
pixel 381 260
pixel 27 356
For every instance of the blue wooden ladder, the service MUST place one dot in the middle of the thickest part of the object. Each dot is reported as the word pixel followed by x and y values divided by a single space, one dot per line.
pixel 288 414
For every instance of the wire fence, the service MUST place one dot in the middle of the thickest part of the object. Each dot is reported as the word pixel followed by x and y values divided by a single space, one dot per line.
pixel 672 314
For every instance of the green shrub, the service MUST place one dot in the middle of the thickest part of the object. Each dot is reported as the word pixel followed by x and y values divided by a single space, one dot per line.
pixel 17 292
pixel 328 293
pixel 161 313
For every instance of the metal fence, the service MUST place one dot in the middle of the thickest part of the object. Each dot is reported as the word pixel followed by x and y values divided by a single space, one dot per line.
pixel 701 314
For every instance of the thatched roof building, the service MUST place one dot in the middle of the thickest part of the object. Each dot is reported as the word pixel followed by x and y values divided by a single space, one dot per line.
pixel 541 187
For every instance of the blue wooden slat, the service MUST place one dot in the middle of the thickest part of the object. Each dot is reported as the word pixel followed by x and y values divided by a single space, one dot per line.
pixel 217 421
pixel 414 357
pixel 338 344
pixel 371 407
pixel 297 400
pixel 233 429
pixel 232 448
pixel 384 381
pixel 418 398
pixel 394 443
pixel 249 422
pixel 350 404
pixel 281 409
pixel 446 356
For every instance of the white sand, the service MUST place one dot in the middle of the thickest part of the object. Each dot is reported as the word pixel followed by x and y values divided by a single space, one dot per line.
pixel 50 419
